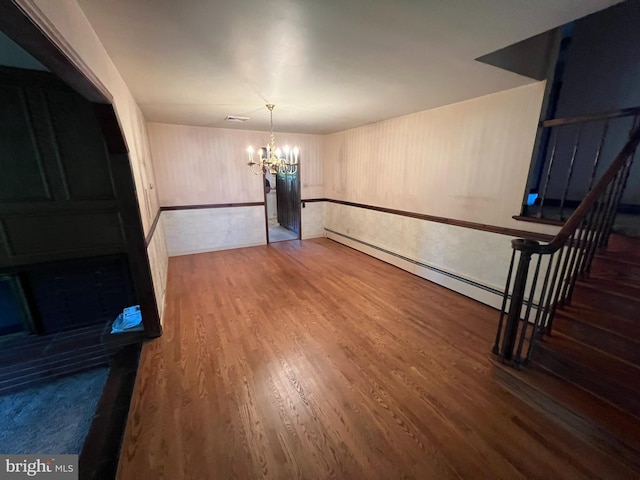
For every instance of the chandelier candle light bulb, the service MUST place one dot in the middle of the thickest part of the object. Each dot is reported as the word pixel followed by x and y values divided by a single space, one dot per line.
pixel 276 161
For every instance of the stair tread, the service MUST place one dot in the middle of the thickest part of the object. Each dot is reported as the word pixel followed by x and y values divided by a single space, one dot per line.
pixel 619 288
pixel 623 257
pixel 34 341
pixel 619 325
pixel 610 378
pixel 596 417
pixel 30 366
pixel 21 383
pixel 617 285
pixel 617 270
pixel 614 368
pixel 615 343
pixel 605 297
pixel 53 369
pixel 624 244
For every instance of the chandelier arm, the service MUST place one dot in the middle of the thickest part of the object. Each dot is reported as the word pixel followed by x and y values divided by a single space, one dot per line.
pixel 254 170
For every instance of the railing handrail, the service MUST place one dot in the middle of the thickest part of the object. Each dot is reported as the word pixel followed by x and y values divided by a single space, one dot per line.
pixel 570 254
pixel 591 117
pixel 574 221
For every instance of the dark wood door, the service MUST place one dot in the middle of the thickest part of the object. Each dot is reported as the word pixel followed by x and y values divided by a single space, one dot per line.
pixel 288 195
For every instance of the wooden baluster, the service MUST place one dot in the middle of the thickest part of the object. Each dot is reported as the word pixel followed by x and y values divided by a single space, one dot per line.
pixel 511 331
pixel 542 311
pixel 505 297
pixel 525 323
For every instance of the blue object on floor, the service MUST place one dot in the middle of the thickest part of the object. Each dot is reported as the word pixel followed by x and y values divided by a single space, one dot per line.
pixel 130 320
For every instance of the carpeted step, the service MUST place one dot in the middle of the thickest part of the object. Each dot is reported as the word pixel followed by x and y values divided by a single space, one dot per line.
pixel 18 349
pixel 57 366
pixel 40 363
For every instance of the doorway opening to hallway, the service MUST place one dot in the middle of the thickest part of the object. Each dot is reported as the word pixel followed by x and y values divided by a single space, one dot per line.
pixel 282 206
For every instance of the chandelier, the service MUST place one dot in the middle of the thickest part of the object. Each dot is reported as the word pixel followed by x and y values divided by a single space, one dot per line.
pixel 273 159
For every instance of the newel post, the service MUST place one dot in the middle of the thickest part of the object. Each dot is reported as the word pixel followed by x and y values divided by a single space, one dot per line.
pixel 527 248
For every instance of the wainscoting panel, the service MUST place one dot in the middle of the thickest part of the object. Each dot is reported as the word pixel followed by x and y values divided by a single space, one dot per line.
pixel 208 229
pixel 159 262
pixel 74 234
pixel 313 220
pixel 471 262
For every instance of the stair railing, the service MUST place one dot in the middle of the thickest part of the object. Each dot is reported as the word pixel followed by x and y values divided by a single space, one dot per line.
pixel 559 263
pixel 570 157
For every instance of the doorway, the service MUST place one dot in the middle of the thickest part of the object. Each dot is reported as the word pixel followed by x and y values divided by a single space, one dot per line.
pixel 282 206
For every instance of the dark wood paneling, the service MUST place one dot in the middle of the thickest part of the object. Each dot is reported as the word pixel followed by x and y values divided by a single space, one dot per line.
pixel 35 235
pixel 78 141
pixel 90 207
pixel 56 188
pixel 110 127
pixel 22 176
pixel 79 293
pixel 12 314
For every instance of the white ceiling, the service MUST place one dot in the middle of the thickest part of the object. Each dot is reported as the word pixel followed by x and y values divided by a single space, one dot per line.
pixel 327 65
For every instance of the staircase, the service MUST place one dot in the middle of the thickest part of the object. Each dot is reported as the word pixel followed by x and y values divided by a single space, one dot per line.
pixel 586 374
pixel 30 360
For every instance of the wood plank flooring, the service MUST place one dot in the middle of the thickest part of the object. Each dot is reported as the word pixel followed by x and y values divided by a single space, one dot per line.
pixel 312 360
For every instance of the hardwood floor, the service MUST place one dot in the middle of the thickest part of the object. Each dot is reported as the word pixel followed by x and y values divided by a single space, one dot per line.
pixel 312 360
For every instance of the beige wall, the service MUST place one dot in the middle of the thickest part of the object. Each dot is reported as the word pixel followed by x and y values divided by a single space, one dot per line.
pixel 466 161
pixel 65 23
pixel 201 165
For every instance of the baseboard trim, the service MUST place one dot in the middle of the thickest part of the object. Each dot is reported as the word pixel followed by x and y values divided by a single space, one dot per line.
pixel 314 235
pixel 225 247
pixel 483 293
